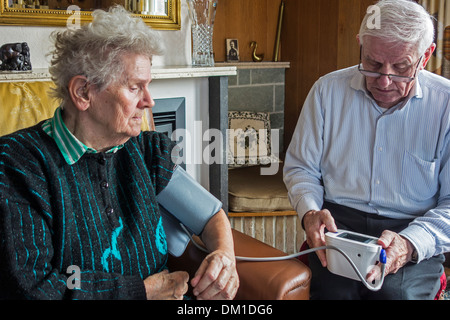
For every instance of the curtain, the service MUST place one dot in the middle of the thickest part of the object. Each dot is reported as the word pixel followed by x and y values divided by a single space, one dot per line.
pixel 440 10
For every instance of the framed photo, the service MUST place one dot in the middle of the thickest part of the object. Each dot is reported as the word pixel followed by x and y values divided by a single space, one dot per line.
pixel 232 50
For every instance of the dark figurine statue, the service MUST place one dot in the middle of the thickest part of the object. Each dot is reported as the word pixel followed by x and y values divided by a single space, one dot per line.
pixel 15 57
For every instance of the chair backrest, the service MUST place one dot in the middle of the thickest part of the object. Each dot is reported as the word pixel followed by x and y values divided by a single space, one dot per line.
pixel 23 104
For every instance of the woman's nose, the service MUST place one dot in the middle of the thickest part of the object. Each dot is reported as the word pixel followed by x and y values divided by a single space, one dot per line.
pixel 146 100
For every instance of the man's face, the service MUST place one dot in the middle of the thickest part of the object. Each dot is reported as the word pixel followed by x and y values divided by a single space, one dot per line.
pixel 380 56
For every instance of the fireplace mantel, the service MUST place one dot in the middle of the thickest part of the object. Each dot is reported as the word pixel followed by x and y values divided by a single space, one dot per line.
pixel 167 72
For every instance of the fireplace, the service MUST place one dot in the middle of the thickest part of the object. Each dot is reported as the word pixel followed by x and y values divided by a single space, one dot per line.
pixel 169 115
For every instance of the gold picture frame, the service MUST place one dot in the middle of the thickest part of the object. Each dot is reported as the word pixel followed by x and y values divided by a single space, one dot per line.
pixel 61 17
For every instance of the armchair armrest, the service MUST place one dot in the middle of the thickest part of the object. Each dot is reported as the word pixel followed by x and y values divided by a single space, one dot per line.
pixel 275 280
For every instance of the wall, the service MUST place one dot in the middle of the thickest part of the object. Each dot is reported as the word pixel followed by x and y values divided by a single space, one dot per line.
pixel 243 20
pixel 246 20
pixel 259 88
pixel 318 36
pixel 177 43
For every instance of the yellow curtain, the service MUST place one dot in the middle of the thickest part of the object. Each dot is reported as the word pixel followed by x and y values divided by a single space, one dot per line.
pixel 24 104
pixel 440 62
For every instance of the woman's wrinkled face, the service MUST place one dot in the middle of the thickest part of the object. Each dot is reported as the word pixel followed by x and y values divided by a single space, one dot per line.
pixel 379 56
pixel 117 111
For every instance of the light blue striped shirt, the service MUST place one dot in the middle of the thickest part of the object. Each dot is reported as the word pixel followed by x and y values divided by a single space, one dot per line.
pixel 394 164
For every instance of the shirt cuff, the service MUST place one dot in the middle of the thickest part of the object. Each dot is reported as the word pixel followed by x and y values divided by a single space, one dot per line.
pixel 304 205
pixel 421 240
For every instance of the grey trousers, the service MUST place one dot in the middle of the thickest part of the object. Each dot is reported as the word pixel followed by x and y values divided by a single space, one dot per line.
pixel 412 282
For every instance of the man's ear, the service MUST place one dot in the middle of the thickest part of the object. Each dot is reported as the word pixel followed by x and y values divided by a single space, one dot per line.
pixel 427 55
pixel 79 92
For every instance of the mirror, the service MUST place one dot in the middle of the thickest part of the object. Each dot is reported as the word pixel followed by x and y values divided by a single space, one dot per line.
pixel 159 14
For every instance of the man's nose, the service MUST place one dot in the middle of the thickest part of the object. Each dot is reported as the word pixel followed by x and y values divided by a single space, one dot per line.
pixel 384 81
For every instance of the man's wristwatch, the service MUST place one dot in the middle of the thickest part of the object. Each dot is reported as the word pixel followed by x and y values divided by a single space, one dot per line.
pixel 414 256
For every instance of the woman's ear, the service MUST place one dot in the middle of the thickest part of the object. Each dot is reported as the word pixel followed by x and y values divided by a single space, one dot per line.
pixel 79 92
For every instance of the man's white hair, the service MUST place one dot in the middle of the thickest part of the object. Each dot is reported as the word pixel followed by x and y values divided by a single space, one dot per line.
pixel 401 21
pixel 96 49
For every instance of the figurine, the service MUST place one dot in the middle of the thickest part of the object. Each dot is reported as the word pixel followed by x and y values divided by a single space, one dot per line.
pixel 15 57
pixel 255 57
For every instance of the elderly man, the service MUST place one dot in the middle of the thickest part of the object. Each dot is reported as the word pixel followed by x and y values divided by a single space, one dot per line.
pixel 371 154
pixel 80 189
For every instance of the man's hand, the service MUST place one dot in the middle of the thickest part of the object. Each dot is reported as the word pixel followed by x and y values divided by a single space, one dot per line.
pixel 216 278
pixel 398 253
pixel 166 286
pixel 315 223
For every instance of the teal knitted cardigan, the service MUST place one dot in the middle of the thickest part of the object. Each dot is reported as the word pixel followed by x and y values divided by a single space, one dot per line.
pixel 99 215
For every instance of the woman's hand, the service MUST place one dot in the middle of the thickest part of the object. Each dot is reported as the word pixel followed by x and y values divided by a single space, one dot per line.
pixel 166 286
pixel 216 278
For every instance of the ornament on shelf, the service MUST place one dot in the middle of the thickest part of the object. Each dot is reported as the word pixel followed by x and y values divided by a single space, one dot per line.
pixel 255 57
pixel 15 57
pixel 202 14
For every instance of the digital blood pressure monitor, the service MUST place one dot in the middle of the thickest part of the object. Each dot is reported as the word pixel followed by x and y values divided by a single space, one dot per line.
pixel 363 250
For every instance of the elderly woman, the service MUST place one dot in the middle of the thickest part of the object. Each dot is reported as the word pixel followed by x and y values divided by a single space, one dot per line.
pixel 80 189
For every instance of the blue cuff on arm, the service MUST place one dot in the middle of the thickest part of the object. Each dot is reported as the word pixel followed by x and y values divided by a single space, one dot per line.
pixel 185 201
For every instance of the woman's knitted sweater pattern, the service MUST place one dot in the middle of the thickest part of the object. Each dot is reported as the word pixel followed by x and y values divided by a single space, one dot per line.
pixel 99 215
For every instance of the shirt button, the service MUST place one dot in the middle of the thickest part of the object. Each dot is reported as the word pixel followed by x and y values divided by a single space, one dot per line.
pixel 380 149
pixel 377 182
pixel 102 161
pixel 104 184
pixel 109 211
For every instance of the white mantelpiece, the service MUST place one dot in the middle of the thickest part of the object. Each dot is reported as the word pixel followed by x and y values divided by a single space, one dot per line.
pixel 169 72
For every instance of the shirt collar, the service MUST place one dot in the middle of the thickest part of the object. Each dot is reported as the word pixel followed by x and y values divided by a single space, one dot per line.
pixel 358 82
pixel 71 148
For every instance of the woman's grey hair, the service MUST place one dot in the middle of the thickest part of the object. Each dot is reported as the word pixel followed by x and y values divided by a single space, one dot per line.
pixel 399 22
pixel 96 49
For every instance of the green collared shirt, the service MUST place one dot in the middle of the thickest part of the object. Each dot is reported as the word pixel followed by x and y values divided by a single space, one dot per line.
pixel 71 148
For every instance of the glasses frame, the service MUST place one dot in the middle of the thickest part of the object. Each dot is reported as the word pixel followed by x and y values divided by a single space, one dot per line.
pixel 392 77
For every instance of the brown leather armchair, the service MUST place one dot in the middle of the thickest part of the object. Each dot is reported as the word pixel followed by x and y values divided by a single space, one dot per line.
pixel 275 280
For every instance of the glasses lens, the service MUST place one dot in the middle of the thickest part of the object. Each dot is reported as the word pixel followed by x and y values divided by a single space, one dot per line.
pixel 392 77
pixel 401 79
pixel 370 74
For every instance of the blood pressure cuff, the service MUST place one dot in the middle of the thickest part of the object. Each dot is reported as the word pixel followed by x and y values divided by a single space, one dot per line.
pixel 185 201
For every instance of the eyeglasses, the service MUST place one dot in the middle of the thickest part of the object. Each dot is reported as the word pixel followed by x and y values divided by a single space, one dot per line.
pixel 393 77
